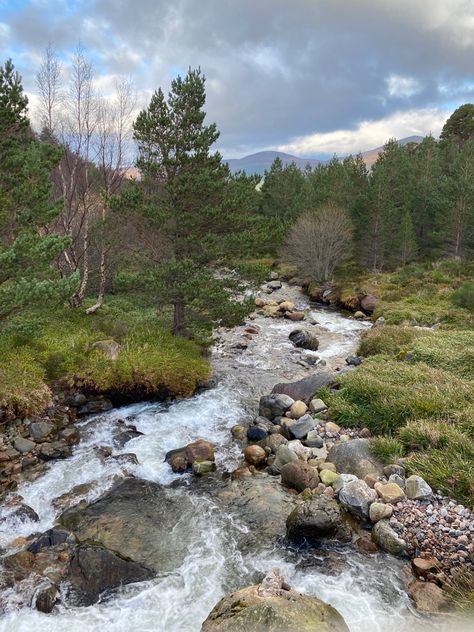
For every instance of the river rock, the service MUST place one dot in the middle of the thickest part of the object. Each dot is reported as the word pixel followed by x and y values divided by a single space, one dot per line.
pixel 318 517
pixel 304 339
pixel 177 460
pixel 299 475
pixel 200 450
pixel 255 433
pixel 95 569
pixel 300 428
pixel 306 388
pixel 389 492
pixel 200 468
pixel 328 477
pixel 273 441
pixel 387 538
pixel 40 429
pixel 274 405
pixel 287 306
pixel 317 406
pixel 417 488
pixel 45 597
pixel 298 409
pixel 313 440
pixel 342 480
pixel 95 406
pixel 283 456
pixel 138 521
pixel 23 445
pixel 274 285
pixel 354 457
pixel 379 511
pixel 356 497
pixel 255 455
pixel 424 566
pixel 272 606
pixel 428 597
pixel 22 513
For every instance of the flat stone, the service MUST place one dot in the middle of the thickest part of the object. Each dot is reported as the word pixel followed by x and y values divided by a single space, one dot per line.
pixel 389 492
pixel 40 429
pixel 317 406
pixel 300 429
pixel 23 445
pixel 306 388
pixel 417 488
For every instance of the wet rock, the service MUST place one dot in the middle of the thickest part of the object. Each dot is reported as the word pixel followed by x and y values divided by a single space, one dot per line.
pixel 177 460
pixel 40 429
pixel 273 442
pixel 254 433
pixel 137 520
pixel 356 497
pixel 365 545
pixel 319 517
pixel 417 488
pixel 255 455
pixel 45 598
pixel 70 435
pixel 95 569
pixel 428 597
pixel 22 513
pixel 306 388
pixel 200 450
pixel 387 538
pixel 201 468
pixel 379 511
pixel 23 445
pixel 300 428
pixel 127 435
pixel 304 339
pixel 274 405
pixel 19 565
pixel 299 475
pixel 274 607
pixel 50 538
pixel 95 406
pixel 354 457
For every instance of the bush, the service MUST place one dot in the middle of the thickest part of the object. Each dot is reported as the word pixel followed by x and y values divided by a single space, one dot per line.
pixel 464 296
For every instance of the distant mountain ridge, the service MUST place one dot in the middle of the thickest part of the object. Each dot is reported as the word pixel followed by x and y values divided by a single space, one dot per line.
pixel 262 160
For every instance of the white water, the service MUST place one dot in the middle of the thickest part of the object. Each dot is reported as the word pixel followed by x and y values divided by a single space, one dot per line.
pixel 367 590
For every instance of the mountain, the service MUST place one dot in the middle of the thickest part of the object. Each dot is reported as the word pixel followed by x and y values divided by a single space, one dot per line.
pixel 262 160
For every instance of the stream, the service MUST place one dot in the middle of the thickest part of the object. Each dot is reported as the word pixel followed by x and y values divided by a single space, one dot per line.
pixel 367 590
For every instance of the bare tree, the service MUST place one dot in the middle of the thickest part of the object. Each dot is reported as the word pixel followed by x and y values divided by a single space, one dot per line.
pixel 48 81
pixel 319 241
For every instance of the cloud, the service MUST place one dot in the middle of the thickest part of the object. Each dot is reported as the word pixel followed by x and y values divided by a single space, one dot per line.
pixel 276 70
pixel 369 134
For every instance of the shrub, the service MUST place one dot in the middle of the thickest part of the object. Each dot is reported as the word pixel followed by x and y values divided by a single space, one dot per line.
pixel 464 296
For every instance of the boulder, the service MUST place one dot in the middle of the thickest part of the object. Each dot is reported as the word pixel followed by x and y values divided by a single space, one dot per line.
pixel 137 520
pixel 45 597
pixel 40 429
pixel 23 445
pixel 389 492
pixel 299 475
pixel 199 450
pixel 417 488
pixel 298 409
pixel 177 460
pixel 274 405
pixel 379 511
pixel 95 406
pixel 300 428
pixel 428 597
pixel 272 606
pixel 354 457
pixel 110 348
pixel 21 513
pixel 368 303
pixel 306 388
pixel 318 517
pixel 356 497
pixel 304 339
pixel 94 569
pixel 283 456
pixel 255 455
pixel 387 538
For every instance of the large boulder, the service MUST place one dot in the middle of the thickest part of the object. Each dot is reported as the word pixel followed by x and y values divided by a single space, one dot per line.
pixel 368 303
pixel 428 597
pixel 272 606
pixel 356 497
pixel 299 475
pixel 354 457
pixel 137 520
pixel 318 517
pixel 304 339
pixel 94 569
pixel 306 388
pixel 274 405
pixel 387 538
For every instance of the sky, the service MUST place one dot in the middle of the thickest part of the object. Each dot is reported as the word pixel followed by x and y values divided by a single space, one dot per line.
pixel 309 77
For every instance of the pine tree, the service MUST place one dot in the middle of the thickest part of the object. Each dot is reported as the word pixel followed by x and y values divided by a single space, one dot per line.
pixel 27 250
pixel 282 193
pixel 184 186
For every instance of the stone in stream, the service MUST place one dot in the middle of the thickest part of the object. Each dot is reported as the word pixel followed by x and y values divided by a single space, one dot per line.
pixel 387 538
pixel 272 606
pixel 255 455
pixel 255 433
pixel 182 459
pixel 22 513
pixel 137 520
pixel 319 517
pixel 304 339
pixel 299 475
pixel 274 405
pixel 45 597
pixel 306 388
pixel 354 457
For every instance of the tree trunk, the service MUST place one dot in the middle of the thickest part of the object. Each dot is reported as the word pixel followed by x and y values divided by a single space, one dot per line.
pixel 103 280
pixel 178 319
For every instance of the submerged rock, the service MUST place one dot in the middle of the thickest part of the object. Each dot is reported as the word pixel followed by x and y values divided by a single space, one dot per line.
pixel 304 339
pixel 273 606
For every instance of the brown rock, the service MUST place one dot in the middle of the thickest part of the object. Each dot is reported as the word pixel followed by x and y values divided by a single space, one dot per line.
pixel 199 450
pixel 332 427
pixel 299 475
pixel 254 454
pixel 296 316
pixel 369 303
pixel 365 545
pixel 298 409
pixel 389 492
pixel 428 597
pixel 423 566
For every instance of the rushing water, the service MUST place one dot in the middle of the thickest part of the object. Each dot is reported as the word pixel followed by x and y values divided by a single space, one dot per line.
pixel 367 590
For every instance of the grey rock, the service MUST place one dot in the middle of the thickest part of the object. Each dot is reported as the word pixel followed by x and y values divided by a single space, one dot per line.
pixel 304 339
pixel 306 388
pixel 283 456
pixel 318 517
pixel 274 285
pixel 399 480
pixel 40 429
pixel 417 488
pixel 313 440
pixel 23 445
pixel 354 457
pixel 387 538
pixel 95 406
pixel 300 428
pixel 274 405
pixel 342 480
pixel 388 470
pixel 317 406
pixel 356 497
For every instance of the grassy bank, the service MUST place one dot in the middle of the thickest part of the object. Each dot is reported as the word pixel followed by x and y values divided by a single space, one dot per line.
pixel 44 346
pixel 415 388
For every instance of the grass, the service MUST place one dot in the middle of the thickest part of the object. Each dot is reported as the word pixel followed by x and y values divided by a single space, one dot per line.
pixel 42 347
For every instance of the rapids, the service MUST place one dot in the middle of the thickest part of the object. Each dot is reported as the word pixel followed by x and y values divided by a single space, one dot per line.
pixel 367 590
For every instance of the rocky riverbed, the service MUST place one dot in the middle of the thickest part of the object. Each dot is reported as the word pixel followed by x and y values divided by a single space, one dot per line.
pixel 111 537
